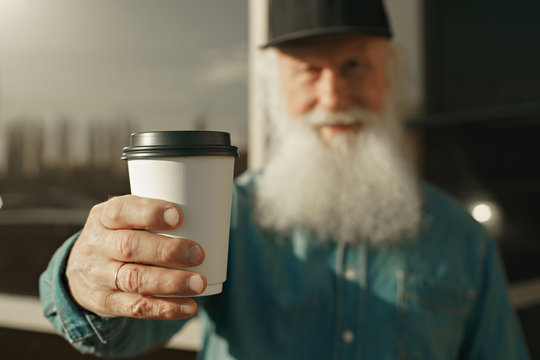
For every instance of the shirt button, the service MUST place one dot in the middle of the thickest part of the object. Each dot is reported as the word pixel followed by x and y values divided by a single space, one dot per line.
pixel 348 336
pixel 350 273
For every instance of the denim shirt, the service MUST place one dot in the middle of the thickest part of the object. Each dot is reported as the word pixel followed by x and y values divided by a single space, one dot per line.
pixel 442 296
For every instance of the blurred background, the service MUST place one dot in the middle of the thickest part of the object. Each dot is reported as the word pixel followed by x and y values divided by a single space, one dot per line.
pixel 77 77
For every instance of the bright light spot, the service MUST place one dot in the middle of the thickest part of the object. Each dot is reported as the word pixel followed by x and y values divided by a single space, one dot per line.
pixel 489 214
pixel 1 202
pixel 482 212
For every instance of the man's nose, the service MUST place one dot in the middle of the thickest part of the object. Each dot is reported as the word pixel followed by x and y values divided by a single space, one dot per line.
pixel 333 93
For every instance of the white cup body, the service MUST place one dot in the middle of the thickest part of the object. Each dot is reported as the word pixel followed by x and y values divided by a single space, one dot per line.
pixel 202 187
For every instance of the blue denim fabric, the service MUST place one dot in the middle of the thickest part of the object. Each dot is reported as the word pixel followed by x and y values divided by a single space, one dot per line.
pixel 296 297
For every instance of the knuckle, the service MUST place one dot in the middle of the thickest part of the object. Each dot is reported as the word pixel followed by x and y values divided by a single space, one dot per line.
pixel 95 216
pixel 145 307
pixel 166 251
pixel 105 302
pixel 126 244
pixel 140 308
pixel 166 312
pixel 95 210
pixel 133 279
pixel 113 209
pixel 101 303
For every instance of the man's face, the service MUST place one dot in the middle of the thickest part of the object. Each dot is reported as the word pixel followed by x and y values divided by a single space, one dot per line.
pixel 335 73
pixel 334 165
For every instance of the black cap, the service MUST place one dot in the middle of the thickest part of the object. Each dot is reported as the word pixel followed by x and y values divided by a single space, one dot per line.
pixel 152 144
pixel 290 20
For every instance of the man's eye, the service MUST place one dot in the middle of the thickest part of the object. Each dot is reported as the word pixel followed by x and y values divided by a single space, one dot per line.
pixel 312 69
pixel 357 64
pixel 307 70
pixel 352 63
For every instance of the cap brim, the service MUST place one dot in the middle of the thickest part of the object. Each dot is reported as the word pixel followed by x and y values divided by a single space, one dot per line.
pixel 306 34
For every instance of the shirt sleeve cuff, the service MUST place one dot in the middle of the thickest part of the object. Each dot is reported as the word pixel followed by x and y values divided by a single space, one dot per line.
pixel 72 321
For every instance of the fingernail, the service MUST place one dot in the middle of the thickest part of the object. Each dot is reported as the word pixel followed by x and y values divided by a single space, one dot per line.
pixel 196 283
pixel 187 308
pixel 193 255
pixel 171 216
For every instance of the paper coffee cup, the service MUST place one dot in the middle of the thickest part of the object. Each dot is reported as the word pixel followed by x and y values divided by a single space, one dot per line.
pixel 194 170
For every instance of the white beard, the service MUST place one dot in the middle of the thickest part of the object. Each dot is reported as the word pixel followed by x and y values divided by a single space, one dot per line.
pixel 354 188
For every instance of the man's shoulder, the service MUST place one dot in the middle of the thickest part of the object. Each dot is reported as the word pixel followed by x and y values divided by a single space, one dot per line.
pixel 444 210
pixel 451 235
pixel 437 200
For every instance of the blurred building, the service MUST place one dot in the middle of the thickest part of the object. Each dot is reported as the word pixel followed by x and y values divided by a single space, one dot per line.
pixel 25 149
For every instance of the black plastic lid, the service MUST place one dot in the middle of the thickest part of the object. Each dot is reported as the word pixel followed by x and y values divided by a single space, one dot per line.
pixel 179 143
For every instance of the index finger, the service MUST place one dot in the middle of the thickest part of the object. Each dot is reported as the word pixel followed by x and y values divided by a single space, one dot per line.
pixel 135 212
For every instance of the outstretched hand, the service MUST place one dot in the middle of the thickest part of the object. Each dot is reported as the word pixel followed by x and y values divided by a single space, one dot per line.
pixel 116 268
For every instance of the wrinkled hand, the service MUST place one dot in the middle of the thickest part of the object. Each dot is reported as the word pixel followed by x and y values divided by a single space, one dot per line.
pixel 114 241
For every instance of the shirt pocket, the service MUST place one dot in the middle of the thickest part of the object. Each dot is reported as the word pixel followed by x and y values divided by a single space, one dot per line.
pixel 431 317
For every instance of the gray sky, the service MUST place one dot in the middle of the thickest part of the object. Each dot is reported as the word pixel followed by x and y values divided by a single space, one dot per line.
pixel 162 62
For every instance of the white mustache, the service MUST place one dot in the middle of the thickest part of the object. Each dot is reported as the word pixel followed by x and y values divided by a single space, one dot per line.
pixel 356 115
